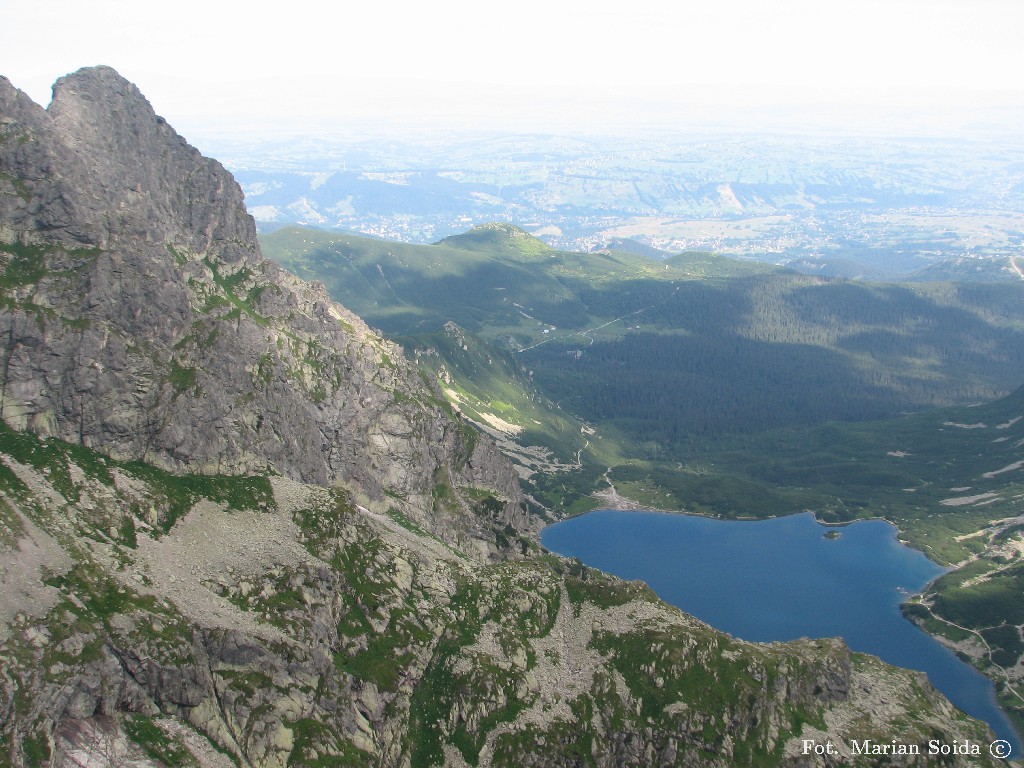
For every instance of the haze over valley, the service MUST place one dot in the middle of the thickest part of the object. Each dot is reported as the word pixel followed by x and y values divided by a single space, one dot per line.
pixel 854 205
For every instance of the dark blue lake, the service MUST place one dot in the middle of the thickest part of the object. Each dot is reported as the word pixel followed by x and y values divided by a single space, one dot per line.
pixel 781 579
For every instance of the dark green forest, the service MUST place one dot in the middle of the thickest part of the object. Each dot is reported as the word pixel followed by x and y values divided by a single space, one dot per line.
pixel 759 354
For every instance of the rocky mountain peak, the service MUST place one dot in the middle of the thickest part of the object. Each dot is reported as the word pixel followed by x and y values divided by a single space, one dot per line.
pixel 114 169
pixel 97 107
pixel 140 318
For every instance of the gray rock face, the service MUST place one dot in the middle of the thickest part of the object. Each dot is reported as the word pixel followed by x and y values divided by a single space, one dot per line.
pixel 100 168
pixel 138 317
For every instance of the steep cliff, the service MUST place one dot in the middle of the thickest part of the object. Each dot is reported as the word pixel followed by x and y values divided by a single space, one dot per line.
pixel 237 528
pixel 138 317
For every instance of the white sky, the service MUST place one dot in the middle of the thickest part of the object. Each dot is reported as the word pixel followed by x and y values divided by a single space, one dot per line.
pixel 529 63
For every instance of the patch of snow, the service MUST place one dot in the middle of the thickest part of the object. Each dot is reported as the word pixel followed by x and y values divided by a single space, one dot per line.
pixel 500 424
pixel 1007 468
pixel 963 501
pixel 988 501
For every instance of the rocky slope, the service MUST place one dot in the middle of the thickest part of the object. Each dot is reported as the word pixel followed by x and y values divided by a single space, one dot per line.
pixel 273 623
pixel 138 317
pixel 236 528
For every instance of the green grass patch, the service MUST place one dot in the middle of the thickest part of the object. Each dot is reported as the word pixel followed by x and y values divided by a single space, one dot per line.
pixel 312 737
pixel 229 286
pixel 174 494
pixel 26 266
pixel 588 585
pixel 182 378
pixel 52 458
pixel 36 750
pixel 102 596
pixel 381 663
pixel 181 492
pixel 169 751
pixel 994 601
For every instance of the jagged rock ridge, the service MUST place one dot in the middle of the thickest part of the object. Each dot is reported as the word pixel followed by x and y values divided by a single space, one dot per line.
pixel 140 318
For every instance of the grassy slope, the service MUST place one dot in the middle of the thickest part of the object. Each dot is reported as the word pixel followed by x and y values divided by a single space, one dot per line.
pixel 495 281
pixel 742 347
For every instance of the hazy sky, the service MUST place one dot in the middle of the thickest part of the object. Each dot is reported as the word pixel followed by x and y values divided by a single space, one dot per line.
pixel 532 62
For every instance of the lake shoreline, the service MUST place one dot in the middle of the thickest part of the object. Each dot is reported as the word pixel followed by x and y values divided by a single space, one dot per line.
pixel 624 505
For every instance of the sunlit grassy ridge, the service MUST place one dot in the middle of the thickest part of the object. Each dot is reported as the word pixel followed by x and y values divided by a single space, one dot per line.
pixel 666 357
pixel 495 281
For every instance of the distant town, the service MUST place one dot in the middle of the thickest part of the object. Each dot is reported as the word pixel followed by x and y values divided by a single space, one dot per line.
pixel 862 206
